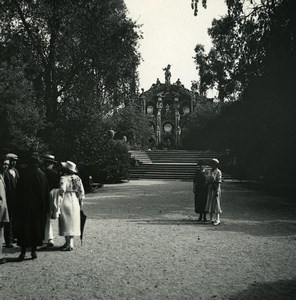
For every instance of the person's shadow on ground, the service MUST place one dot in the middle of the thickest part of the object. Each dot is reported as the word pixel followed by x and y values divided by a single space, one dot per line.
pixel 16 250
pixel 49 249
pixel 171 222
pixel 9 260
pixel 11 250
pixel 284 289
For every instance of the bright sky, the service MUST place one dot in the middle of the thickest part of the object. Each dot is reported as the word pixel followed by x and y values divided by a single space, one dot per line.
pixel 171 33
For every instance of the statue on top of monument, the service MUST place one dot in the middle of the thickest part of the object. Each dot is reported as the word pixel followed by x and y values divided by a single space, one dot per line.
pixel 167 74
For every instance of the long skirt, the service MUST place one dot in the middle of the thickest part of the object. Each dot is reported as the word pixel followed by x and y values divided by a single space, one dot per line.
pixel 214 204
pixel 200 199
pixel 69 218
pixel 48 229
pixel 31 228
pixel 1 240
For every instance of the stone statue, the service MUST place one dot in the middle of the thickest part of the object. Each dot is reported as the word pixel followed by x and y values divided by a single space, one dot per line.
pixel 167 74
pixel 167 110
pixel 178 82
pixel 179 130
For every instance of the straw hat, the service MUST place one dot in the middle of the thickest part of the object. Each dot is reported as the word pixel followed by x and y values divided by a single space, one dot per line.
pixel 6 162
pixel 11 156
pixel 70 166
pixel 49 158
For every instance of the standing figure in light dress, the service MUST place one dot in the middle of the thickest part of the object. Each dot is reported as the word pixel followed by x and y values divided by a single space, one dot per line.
pixel 214 180
pixel 72 192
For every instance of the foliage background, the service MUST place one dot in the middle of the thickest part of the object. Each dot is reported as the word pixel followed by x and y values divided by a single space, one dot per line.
pixel 253 61
pixel 68 68
pixel 64 66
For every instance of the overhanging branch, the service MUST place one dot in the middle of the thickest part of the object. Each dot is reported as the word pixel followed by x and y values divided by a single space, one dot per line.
pixel 29 32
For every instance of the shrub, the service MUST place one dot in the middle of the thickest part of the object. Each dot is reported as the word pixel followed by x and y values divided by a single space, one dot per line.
pixel 111 167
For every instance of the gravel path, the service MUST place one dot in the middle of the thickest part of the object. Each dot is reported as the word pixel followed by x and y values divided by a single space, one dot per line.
pixel 142 241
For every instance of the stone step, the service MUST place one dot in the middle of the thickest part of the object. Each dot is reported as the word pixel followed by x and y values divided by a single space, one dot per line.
pixel 182 156
pixel 187 177
pixel 167 171
pixel 140 156
pixel 175 164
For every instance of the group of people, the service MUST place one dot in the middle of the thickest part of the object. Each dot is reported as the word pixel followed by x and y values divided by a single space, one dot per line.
pixel 207 190
pixel 43 190
pixel 34 194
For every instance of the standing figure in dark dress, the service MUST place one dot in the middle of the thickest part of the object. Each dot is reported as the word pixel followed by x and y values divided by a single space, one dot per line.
pixel 200 191
pixel 32 206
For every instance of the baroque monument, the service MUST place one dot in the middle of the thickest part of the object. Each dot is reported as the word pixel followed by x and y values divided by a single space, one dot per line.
pixel 168 107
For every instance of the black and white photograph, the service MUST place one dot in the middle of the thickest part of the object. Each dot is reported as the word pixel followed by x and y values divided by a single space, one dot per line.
pixel 147 149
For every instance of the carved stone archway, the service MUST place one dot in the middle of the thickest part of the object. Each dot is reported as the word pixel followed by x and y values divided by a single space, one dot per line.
pixel 168 106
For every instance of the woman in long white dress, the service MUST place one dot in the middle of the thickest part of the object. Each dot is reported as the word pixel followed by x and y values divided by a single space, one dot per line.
pixel 214 180
pixel 72 191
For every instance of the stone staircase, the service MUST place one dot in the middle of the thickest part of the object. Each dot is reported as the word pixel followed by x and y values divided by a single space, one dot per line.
pixel 141 157
pixel 175 164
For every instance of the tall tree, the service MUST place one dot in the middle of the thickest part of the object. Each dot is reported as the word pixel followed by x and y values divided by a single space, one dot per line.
pixel 258 52
pixel 194 5
pixel 246 41
pixel 72 49
pixel 21 118
pixel 206 80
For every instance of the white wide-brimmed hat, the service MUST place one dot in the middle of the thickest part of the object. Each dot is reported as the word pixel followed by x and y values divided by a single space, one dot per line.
pixel 70 166
pixel 215 160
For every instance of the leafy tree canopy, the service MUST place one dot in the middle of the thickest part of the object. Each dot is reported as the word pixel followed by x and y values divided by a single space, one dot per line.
pixel 253 59
pixel 21 118
pixel 71 49
pixel 252 38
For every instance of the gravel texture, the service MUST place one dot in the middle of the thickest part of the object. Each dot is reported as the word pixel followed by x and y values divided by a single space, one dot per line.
pixel 142 241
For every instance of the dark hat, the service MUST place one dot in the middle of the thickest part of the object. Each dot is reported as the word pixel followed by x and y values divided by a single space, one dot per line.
pixel 49 158
pixel 200 163
pixel 34 158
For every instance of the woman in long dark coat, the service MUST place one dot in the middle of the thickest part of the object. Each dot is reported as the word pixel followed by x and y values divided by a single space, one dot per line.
pixel 32 206
pixel 200 191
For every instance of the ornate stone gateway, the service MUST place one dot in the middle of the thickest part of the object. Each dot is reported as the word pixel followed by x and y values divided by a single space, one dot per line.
pixel 168 107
